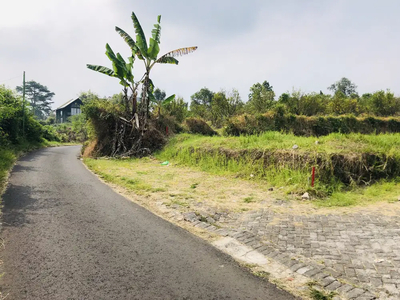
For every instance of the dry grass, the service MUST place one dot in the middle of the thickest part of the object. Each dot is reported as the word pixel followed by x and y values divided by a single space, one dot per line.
pixel 186 189
pixel 181 186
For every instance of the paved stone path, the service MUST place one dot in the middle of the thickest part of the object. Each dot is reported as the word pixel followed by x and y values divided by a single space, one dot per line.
pixel 357 255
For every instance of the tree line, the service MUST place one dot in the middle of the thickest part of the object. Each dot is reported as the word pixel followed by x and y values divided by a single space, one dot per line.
pixel 217 107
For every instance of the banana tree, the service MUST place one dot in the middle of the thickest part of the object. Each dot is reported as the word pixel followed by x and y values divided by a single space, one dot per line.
pixel 148 53
pixel 160 102
pixel 130 141
pixel 121 70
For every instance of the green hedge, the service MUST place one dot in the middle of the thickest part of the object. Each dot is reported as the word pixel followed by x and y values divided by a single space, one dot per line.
pixel 310 126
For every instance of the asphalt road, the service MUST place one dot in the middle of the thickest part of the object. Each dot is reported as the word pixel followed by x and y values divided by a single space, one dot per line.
pixel 68 236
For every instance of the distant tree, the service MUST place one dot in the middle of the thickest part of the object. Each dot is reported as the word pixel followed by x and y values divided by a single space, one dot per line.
pixel 117 99
pixel 89 95
pixel 159 97
pixel 225 105
pixel 159 94
pixel 177 108
pixel 258 86
pixel 300 103
pixel 39 97
pixel 235 103
pixel 340 104
pixel 261 98
pixel 385 104
pixel 200 104
pixel 219 109
pixel 345 86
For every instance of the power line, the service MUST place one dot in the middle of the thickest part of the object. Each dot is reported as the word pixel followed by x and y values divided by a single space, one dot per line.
pixel 10 79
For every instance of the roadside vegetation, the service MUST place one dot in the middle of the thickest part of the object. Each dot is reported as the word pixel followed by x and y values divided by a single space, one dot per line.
pixel 20 130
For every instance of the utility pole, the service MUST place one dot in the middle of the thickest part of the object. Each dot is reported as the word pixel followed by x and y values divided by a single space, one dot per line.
pixel 23 107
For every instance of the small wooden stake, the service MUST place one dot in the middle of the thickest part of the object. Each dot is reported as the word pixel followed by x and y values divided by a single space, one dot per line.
pixel 313 177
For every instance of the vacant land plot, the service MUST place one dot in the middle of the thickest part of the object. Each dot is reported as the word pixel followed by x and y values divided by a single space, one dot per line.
pixel 350 169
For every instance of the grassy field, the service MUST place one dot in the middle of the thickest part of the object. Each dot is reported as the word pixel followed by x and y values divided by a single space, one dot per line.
pixel 187 187
pixel 239 180
pixel 290 169
pixel 270 141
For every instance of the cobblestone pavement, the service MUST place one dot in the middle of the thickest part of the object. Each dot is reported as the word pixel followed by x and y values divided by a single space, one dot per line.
pixel 356 255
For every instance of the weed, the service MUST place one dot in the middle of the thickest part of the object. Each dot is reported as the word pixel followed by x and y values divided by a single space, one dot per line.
pixel 142 173
pixel 262 274
pixel 249 266
pixel 194 185
pixel 156 190
pixel 203 219
pixel 178 202
pixel 248 200
pixel 316 294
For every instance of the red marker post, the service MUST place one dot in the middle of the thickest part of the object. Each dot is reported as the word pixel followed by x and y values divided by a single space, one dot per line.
pixel 313 177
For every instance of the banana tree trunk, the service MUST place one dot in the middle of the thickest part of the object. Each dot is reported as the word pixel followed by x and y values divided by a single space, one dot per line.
pixel 145 101
pixel 126 99
pixel 134 103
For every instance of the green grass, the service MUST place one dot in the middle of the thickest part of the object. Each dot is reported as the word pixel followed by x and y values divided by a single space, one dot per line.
pixel 292 180
pixel 249 199
pixel 383 190
pixel 57 144
pixel 272 140
pixel 132 183
pixel 318 295
pixel 201 152
pixel 7 158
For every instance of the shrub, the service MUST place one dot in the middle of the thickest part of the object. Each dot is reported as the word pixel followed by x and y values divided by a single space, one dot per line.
pixel 50 133
pixel 11 119
pixel 163 121
pixel 198 126
pixel 309 126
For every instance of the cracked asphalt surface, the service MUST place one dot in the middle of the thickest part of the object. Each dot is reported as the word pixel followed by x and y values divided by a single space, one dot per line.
pixel 69 236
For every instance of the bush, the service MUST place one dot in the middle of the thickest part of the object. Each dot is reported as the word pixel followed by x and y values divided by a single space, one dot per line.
pixel 163 121
pixel 12 130
pixel 310 126
pixel 198 126
pixel 50 133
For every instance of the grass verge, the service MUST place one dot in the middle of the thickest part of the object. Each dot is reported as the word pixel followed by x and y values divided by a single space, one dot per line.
pixel 182 187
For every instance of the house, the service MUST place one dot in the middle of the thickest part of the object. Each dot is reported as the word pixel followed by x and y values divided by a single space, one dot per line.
pixel 71 108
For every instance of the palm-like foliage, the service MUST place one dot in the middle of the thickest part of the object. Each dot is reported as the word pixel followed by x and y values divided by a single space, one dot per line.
pixel 146 52
pixel 123 70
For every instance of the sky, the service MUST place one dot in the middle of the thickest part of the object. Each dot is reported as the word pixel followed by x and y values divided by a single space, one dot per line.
pixel 293 44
